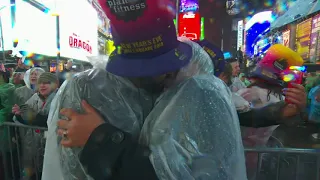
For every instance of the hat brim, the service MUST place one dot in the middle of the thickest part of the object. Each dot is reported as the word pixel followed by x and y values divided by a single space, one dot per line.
pixel 144 67
pixel 265 74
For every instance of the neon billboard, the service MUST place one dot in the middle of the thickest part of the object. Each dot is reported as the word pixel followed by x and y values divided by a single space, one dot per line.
pixel 189 6
pixel 255 29
pixel 190 25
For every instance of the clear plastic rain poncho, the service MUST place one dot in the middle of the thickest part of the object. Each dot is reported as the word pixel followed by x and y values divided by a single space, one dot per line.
pixel 115 98
pixel 193 130
pixel 257 137
pixel 23 93
pixel 30 139
pixel 258 97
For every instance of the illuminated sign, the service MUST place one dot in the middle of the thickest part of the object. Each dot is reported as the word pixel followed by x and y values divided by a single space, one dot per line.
pixel 6 29
pixel 286 38
pixel 78 31
pixel 232 7
pixel 259 18
pixel 315 39
pixel 34 30
pixel 303 38
pixel 189 15
pixel 202 29
pixel 76 42
pixel 189 25
pixel 240 34
pixel 189 5
pixel 103 21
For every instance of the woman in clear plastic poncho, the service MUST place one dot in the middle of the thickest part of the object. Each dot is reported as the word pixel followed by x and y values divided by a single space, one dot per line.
pixel 115 98
pixel 22 94
pixel 193 130
pixel 267 90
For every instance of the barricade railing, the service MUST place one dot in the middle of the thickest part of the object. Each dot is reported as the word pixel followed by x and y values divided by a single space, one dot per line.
pixel 21 151
pixel 283 164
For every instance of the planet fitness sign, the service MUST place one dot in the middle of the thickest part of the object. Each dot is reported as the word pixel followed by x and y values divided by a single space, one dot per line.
pixel 127 10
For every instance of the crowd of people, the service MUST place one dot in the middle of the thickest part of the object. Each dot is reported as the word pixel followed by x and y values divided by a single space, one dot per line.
pixel 26 96
pixel 178 110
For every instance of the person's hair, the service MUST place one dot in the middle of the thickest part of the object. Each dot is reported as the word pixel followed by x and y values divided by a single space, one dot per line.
pixel 227 72
pixel 38 69
pixel 231 60
pixel 272 88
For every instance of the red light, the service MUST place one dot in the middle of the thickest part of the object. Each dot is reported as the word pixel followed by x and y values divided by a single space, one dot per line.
pixel 189 25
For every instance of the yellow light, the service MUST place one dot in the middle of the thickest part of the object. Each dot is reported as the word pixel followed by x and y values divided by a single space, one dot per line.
pixel 288 77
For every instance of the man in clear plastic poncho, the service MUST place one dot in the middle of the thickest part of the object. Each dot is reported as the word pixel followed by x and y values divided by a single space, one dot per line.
pixel 115 98
pixel 193 130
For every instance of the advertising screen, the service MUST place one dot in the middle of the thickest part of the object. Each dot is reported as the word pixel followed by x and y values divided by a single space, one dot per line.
pixel 232 7
pixel 286 38
pixel 256 27
pixel 303 38
pixel 6 28
pixel 189 25
pixel 34 30
pixel 240 34
pixel 315 39
pixel 78 30
pixel 103 21
pixel 189 6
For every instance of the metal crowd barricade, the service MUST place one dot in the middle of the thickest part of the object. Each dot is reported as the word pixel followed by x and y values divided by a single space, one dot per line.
pixel 23 146
pixel 286 163
pixel 21 151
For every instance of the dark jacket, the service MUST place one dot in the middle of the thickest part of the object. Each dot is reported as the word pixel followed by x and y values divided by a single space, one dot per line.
pixel 263 117
pixel 40 120
pixel 112 154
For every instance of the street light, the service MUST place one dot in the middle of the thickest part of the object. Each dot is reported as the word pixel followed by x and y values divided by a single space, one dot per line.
pixel 1 29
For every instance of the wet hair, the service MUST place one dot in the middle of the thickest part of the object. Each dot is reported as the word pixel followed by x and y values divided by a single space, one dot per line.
pixel 232 60
pixel 227 72
pixel 273 89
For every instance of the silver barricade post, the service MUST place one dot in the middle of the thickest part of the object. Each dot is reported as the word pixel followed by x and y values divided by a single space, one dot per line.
pixel 23 151
pixel 286 163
